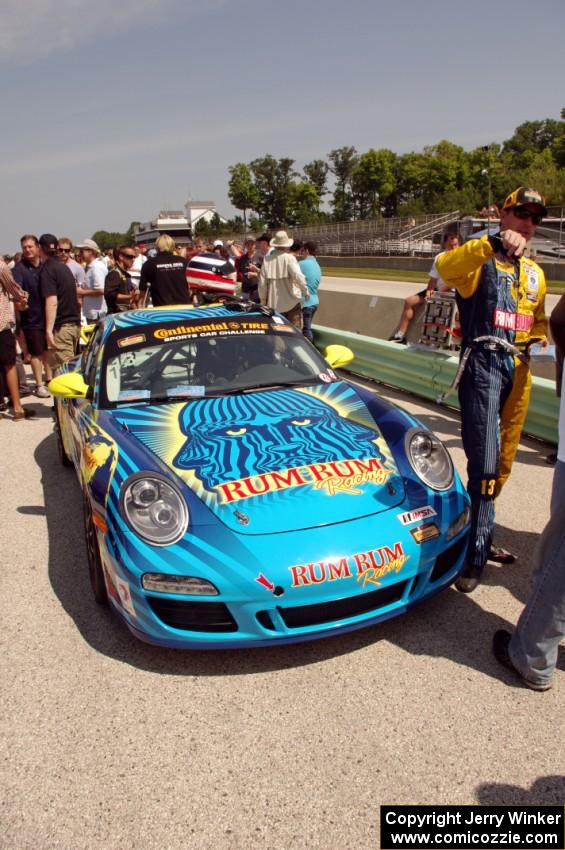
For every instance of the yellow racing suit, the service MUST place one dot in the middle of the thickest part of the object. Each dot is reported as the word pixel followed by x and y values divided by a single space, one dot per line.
pixel 502 299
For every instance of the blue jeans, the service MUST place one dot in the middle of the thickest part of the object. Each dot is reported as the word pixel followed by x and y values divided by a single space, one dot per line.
pixel 535 642
pixel 307 316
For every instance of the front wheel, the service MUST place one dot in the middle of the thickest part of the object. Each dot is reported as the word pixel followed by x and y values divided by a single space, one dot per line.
pixel 61 450
pixel 95 569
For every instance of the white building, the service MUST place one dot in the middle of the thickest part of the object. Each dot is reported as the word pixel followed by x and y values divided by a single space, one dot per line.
pixel 173 222
pixel 178 224
pixel 200 210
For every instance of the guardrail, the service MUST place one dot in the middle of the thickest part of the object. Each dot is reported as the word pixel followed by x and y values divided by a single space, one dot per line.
pixel 428 373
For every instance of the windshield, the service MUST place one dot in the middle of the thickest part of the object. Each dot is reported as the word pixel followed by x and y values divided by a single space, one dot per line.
pixel 208 357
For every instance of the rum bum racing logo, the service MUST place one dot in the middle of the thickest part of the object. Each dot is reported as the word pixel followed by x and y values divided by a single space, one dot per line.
pixel 366 567
pixel 342 476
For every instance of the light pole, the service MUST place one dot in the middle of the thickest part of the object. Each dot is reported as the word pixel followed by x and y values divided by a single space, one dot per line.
pixel 486 173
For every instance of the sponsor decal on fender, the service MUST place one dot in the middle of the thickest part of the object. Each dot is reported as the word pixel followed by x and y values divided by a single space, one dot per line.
pixel 365 567
pixel 427 531
pixel 338 476
pixel 513 321
pixel 125 596
pixel 417 515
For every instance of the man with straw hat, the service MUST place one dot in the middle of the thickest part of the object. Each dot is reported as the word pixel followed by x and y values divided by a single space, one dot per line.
pixel 282 286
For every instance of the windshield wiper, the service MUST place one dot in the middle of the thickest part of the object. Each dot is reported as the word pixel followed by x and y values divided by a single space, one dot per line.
pixel 267 385
pixel 163 399
pixel 280 385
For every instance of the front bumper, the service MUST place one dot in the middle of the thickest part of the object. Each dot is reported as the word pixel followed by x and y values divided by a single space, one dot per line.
pixel 265 598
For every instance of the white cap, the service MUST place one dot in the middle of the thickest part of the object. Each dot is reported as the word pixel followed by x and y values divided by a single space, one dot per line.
pixel 90 244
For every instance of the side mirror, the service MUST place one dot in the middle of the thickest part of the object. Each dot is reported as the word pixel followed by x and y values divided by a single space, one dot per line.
pixel 338 356
pixel 69 385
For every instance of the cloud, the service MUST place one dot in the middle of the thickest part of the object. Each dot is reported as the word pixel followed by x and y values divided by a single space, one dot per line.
pixel 33 29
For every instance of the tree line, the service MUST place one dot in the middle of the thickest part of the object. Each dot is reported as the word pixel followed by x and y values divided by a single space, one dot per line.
pixel 270 192
pixel 441 178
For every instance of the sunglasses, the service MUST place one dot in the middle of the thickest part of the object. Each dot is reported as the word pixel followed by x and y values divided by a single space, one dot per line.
pixel 63 250
pixel 524 215
pixel 128 256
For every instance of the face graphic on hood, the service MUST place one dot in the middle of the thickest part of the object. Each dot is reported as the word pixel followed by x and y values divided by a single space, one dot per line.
pixel 245 435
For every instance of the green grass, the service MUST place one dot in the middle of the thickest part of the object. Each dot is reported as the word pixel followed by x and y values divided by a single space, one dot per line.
pixel 556 287
pixel 380 274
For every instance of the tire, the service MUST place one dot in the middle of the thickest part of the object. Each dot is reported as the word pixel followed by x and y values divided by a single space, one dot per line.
pixel 61 451
pixel 95 569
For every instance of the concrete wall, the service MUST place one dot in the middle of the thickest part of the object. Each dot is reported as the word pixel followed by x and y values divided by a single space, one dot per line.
pixel 378 317
pixel 553 271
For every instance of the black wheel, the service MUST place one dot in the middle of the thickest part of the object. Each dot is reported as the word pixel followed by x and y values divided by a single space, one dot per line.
pixel 95 569
pixel 63 456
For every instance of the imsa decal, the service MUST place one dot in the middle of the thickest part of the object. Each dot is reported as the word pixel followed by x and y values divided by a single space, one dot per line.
pixel 417 515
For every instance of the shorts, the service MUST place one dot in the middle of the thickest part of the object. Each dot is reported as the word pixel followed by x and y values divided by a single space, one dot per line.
pixel 35 341
pixel 66 344
pixel 7 348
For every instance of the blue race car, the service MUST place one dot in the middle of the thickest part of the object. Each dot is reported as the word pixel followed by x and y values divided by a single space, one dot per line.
pixel 237 492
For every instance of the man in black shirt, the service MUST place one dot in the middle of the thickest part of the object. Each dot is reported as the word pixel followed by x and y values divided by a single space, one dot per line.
pixel 62 311
pixel 165 275
pixel 32 320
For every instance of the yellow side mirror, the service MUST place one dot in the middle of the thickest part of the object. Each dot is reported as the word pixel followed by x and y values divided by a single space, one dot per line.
pixel 86 332
pixel 68 385
pixel 338 356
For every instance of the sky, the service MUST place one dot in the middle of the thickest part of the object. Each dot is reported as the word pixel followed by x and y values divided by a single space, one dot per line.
pixel 113 110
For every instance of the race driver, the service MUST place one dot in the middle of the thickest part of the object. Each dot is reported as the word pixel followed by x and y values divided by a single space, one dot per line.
pixel 501 297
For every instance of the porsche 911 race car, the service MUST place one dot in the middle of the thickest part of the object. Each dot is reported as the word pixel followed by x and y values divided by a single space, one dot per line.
pixel 238 492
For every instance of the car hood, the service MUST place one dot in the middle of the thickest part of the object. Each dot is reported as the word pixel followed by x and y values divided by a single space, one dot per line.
pixel 277 460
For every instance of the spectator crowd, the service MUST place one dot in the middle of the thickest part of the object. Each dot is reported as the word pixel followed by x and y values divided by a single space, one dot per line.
pixel 52 287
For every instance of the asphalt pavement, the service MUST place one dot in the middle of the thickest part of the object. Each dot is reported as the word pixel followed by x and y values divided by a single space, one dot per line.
pixel 111 743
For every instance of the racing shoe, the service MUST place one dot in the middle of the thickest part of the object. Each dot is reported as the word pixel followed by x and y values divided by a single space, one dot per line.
pixel 500 644
pixel 398 337
pixel 498 555
pixel 469 578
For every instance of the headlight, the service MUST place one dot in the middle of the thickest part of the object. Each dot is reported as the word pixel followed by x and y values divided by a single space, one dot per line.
pixel 154 509
pixel 429 459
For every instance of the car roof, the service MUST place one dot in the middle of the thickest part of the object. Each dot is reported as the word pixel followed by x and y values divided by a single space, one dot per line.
pixel 158 315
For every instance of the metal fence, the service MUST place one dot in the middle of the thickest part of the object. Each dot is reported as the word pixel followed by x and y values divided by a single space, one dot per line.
pixel 397 236
pixel 417 236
